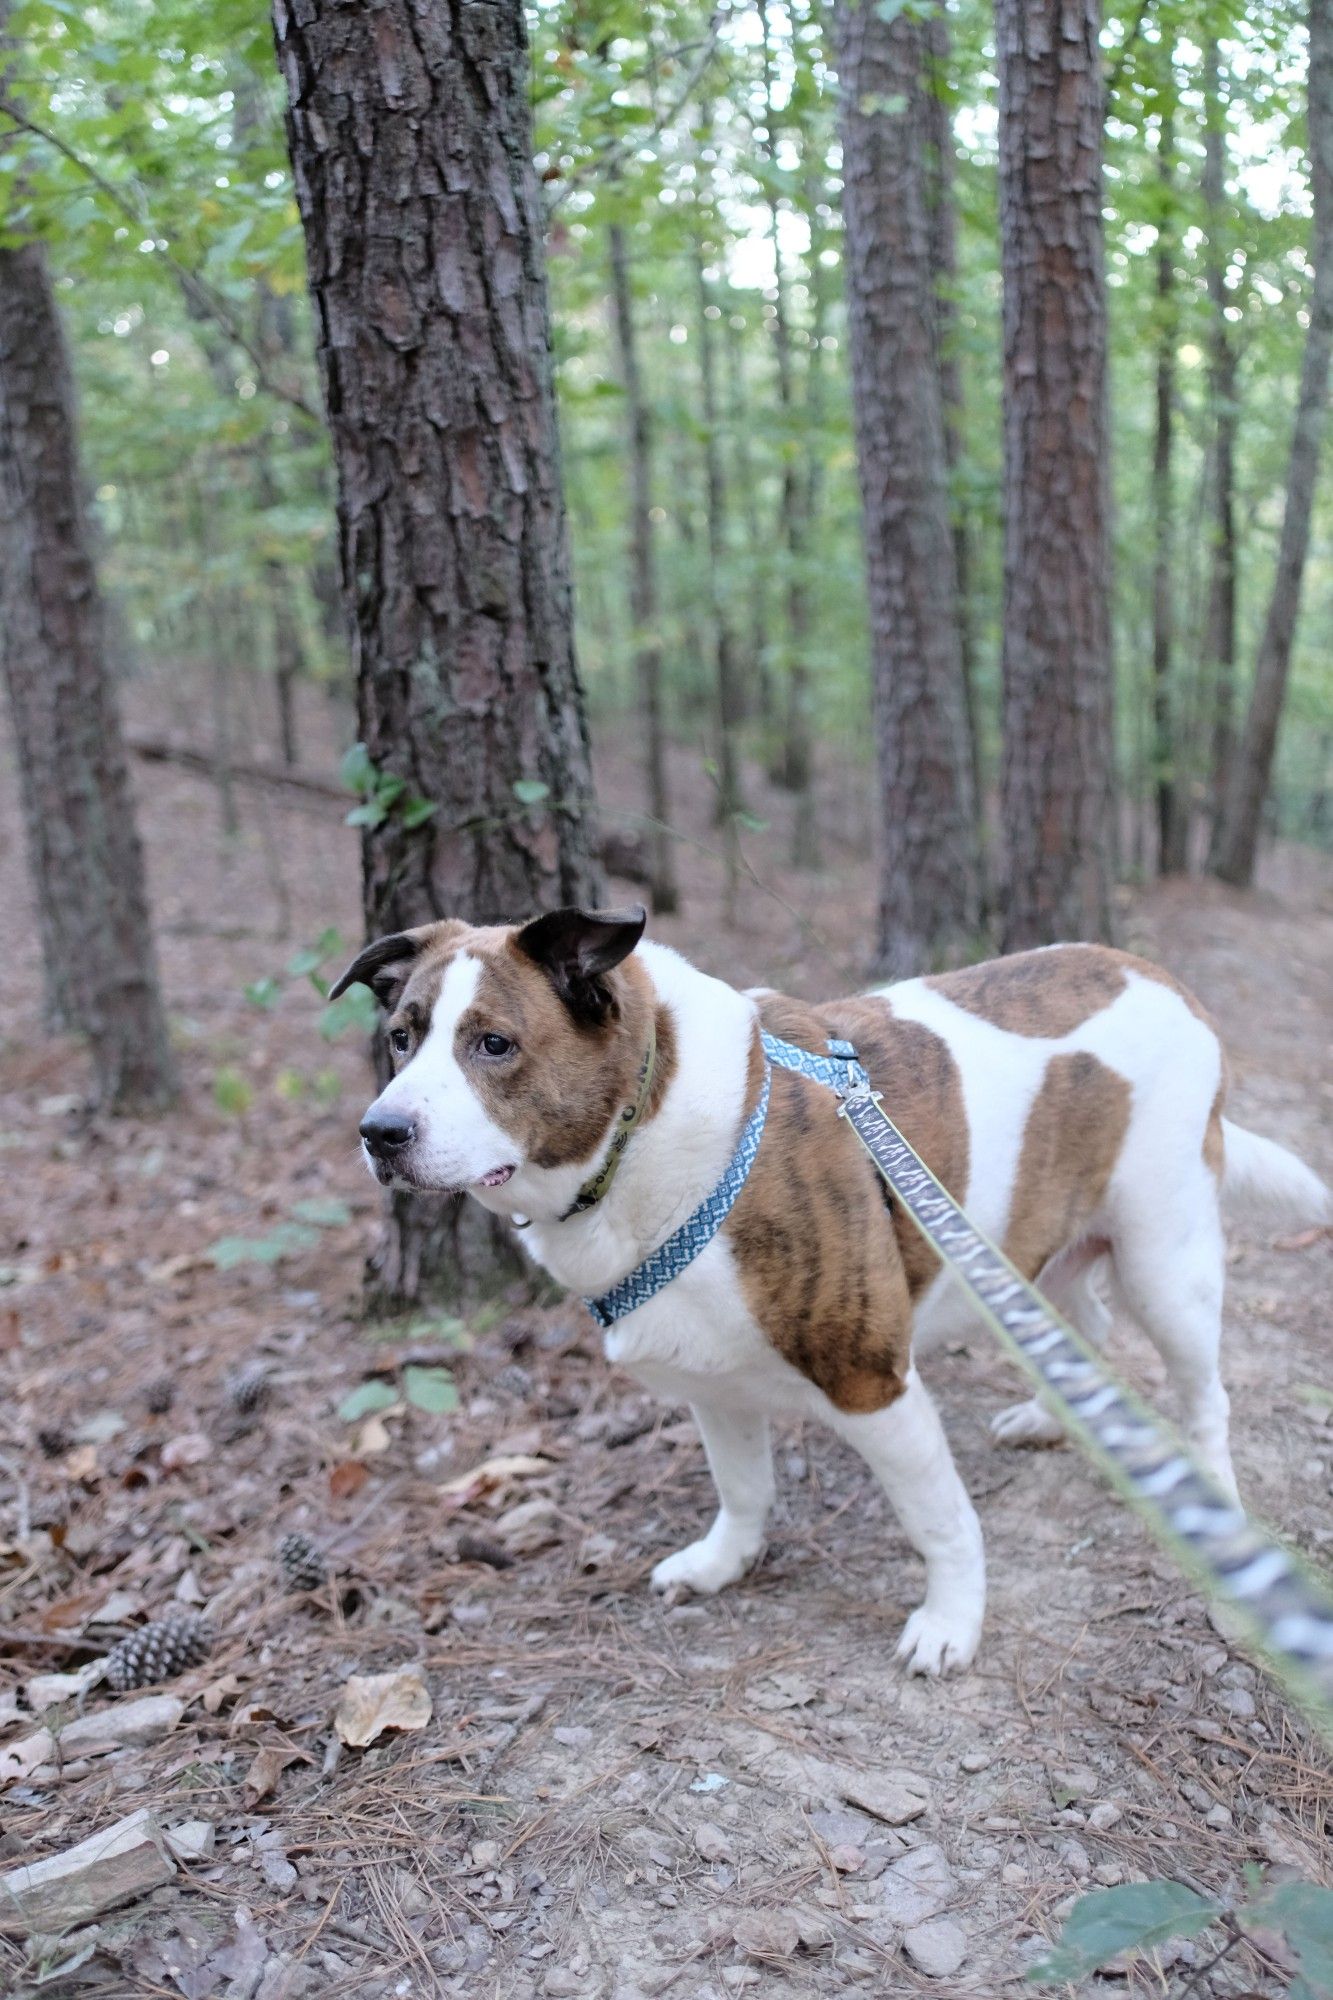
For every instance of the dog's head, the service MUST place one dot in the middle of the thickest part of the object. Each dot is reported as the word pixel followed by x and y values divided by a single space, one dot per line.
pixel 514 1048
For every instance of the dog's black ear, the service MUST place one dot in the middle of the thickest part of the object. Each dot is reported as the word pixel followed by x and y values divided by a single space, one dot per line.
pixel 577 948
pixel 384 967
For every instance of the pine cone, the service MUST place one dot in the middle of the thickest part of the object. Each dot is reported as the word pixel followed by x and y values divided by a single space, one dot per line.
pixel 54 1441
pixel 159 1396
pixel 248 1389
pixel 159 1651
pixel 301 1562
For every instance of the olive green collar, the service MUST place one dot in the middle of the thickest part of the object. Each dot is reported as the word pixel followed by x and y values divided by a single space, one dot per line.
pixel 599 1185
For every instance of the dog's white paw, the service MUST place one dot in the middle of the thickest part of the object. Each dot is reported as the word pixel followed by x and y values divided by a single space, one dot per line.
pixel 934 1644
pixel 1027 1423
pixel 707 1565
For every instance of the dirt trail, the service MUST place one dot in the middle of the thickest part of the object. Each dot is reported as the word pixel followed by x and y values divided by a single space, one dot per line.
pixel 613 1798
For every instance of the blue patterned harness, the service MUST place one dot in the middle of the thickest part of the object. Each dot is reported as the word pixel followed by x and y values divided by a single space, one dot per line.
pixel 839 1071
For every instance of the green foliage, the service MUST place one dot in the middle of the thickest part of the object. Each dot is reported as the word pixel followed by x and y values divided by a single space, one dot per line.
pixel 1138 1916
pixel 286 1239
pixel 232 1093
pixel 382 793
pixel 365 1400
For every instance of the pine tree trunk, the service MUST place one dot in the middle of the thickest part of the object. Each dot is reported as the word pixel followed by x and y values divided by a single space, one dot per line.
pixel 83 849
pixel 1220 621
pixel 928 879
pixel 942 222
pixel 1056 784
pixel 759 680
pixel 644 607
pixel 410 139
pixel 1172 813
pixel 798 768
pixel 729 705
pixel 1238 847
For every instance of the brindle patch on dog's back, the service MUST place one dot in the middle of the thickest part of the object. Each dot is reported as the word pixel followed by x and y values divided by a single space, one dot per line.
pixel 829 1272
pixel 1071 1142
pixel 1040 993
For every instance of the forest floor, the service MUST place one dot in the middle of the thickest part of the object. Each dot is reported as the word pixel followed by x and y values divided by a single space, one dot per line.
pixel 613 1797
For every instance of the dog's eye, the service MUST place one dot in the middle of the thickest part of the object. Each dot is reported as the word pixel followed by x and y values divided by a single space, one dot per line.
pixel 495 1045
pixel 400 1041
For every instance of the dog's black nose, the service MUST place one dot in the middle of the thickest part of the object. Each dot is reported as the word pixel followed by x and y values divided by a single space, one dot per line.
pixel 387 1132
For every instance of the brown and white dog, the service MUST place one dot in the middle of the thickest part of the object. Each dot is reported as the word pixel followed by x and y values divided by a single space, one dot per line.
pixel 1072 1098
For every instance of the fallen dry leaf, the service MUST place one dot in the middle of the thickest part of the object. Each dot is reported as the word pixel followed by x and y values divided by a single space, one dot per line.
pixel 767 1934
pixel 81 1463
pixel 372 1703
pixel 347 1479
pixel 190 1448
pixel 1303 1238
pixel 268 1765
pixel 373 1437
pixel 492 1472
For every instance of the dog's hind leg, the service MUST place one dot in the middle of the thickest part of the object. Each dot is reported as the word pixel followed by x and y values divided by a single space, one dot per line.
pixel 1171 1273
pixel 740 1457
pixel 1072 1282
pixel 905 1447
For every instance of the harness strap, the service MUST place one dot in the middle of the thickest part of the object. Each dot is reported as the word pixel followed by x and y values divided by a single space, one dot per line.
pixel 838 1071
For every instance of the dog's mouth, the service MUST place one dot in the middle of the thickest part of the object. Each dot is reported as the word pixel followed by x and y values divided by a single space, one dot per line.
pixel 497 1177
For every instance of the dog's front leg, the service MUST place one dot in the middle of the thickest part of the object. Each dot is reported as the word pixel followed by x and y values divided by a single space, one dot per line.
pixel 740 1457
pixel 905 1447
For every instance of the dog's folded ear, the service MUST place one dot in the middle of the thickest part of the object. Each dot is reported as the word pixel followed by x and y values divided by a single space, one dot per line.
pixel 384 966
pixel 577 948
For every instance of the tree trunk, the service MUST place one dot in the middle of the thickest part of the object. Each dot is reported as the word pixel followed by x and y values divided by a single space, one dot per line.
pixel 1220 621
pixel 1252 769
pixel 644 607
pixel 410 139
pixel 83 849
pixel 759 683
pixel 729 706
pixel 799 761
pixel 1056 783
pixel 1172 812
pixel 928 880
pixel 942 224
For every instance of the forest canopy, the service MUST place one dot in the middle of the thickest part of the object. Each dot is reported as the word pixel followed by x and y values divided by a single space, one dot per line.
pixel 144 144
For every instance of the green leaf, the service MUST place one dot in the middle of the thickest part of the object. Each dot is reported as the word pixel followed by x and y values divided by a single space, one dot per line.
pixel 363 1401
pixel 264 992
pixel 1132 1917
pixel 751 822
pixel 1303 1912
pixel 530 791
pixel 417 811
pixel 287 1238
pixel 371 814
pixel 430 1389
pixel 356 770
pixel 231 1093
pixel 354 1009
pixel 322 1212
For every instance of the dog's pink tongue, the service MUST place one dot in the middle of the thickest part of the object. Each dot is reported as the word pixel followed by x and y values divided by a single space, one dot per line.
pixel 497 1177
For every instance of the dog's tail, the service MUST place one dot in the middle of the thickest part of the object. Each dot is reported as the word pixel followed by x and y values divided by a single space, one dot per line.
pixel 1261 1178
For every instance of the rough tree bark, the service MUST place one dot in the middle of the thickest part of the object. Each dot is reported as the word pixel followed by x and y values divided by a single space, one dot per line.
pixel 798 763
pixel 83 849
pixel 1171 806
pixel 730 701
pixel 928 902
pixel 644 607
pixel 1220 623
pixel 1056 782
pixel 410 139
pixel 942 222
pixel 1238 847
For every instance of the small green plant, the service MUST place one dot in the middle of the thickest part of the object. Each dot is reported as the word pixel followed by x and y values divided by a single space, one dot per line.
pixel 430 1389
pixel 231 1092
pixel 1138 1916
pixel 353 1011
pixel 284 1240
pixel 381 794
